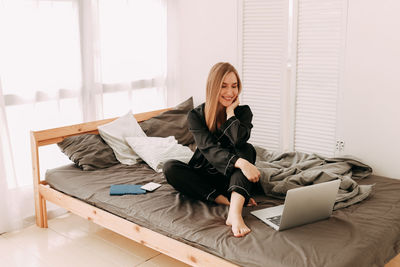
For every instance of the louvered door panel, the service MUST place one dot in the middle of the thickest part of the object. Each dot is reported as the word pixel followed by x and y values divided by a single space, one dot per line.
pixel 320 34
pixel 264 57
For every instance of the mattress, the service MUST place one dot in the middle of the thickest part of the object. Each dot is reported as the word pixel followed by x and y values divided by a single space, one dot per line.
pixel 364 234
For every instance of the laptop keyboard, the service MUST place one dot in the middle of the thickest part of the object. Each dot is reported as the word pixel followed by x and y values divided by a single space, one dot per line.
pixel 276 220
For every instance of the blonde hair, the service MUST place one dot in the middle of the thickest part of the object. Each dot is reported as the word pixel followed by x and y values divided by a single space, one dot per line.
pixel 214 83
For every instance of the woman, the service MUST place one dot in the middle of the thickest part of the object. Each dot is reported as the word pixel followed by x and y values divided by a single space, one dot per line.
pixel 222 166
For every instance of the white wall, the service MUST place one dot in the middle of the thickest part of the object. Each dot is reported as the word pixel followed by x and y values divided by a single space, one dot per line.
pixel 206 32
pixel 369 120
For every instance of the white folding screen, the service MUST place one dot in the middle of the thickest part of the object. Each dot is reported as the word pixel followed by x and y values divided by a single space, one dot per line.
pixel 320 45
pixel 264 59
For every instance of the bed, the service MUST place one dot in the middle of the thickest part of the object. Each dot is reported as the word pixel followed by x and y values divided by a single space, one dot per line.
pixel 364 234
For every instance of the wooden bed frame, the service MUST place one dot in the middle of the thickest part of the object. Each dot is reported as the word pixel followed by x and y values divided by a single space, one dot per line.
pixel 166 245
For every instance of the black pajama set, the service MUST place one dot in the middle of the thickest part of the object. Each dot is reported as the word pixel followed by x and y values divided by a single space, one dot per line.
pixel 211 171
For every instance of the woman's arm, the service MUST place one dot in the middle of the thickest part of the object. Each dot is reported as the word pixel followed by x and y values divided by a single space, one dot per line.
pixel 249 170
pixel 242 135
pixel 220 158
pixel 238 125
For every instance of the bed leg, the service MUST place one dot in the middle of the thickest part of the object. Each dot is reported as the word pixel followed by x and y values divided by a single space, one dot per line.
pixel 40 202
pixel 40 210
pixel 44 212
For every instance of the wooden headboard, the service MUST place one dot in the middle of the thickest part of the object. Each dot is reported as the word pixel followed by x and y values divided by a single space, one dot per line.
pixel 55 135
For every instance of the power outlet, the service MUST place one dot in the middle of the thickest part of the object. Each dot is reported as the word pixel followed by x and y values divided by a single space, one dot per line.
pixel 339 145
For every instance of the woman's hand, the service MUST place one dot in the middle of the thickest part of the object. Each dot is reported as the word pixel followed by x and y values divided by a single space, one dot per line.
pixel 249 170
pixel 230 110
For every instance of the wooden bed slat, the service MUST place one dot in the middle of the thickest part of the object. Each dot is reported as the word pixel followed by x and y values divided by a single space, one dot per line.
pixel 55 135
pixel 39 207
pixel 154 240
pixel 395 262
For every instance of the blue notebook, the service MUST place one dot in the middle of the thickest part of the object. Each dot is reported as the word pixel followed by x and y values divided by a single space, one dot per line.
pixel 126 189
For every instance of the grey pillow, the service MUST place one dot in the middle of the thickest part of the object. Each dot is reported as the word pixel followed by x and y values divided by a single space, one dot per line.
pixel 88 151
pixel 171 123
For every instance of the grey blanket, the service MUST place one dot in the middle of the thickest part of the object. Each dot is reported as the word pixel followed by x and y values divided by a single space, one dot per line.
pixel 283 171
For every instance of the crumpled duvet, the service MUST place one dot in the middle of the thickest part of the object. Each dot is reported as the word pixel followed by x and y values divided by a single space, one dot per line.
pixel 281 172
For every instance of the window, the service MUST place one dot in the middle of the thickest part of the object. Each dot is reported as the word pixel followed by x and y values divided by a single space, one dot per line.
pixel 133 53
pixel 40 74
pixel 68 61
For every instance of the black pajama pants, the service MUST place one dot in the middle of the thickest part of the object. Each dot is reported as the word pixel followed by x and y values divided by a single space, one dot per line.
pixel 200 183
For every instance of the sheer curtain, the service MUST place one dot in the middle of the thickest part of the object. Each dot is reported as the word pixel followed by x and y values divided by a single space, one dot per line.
pixel 132 78
pixel 68 61
pixel 6 210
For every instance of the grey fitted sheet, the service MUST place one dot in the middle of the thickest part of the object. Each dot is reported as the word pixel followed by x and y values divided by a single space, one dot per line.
pixel 364 234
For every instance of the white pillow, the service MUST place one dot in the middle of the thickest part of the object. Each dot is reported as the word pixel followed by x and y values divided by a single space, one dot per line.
pixel 114 134
pixel 155 151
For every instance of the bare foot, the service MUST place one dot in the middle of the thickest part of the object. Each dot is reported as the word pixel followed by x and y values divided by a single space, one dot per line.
pixel 221 199
pixel 239 228
pixel 251 202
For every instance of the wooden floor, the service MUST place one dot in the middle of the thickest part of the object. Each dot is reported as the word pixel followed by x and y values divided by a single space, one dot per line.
pixel 73 241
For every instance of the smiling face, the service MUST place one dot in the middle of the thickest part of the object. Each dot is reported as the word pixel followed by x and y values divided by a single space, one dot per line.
pixel 229 90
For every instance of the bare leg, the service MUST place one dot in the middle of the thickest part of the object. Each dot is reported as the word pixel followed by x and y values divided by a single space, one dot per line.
pixel 221 199
pixel 235 219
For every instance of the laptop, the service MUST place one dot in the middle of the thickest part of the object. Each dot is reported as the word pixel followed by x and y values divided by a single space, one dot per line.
pixel 302 205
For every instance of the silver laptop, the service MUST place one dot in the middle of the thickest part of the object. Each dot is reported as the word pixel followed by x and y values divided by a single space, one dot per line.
pixel 302 205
